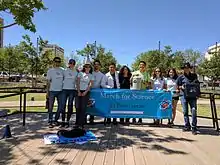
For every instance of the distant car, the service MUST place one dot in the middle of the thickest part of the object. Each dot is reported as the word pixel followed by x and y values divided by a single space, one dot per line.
pixel 12 77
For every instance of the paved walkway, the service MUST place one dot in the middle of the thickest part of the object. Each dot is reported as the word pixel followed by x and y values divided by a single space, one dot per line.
pixel 116 145
pixel 8 104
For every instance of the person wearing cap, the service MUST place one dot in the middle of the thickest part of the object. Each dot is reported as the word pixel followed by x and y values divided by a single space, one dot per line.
pixel 69 91
pixel 98 76
pixel 84 83
pixel 188 96
pixel 54 90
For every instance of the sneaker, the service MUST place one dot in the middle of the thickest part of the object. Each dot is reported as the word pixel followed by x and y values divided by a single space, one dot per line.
pixel 140 121
pixel 50 125
pixel 56 123
pixel 194 131
pixel 62 125
pixel 67 125
pixel 134 120
pixel 186 129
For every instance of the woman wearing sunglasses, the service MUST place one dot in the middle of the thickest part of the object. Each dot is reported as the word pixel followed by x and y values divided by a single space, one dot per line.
pixel 84 83
pixel 158 82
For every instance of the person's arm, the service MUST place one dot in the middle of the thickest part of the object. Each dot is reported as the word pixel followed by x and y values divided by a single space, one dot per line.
pixel 48 83
pixel 89 86
pixel 78 84
pixel 104 82
pixel 165 84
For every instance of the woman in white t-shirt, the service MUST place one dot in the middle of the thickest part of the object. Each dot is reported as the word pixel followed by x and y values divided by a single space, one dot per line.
pixel 172 86
pixel 158 82
pixel 84 83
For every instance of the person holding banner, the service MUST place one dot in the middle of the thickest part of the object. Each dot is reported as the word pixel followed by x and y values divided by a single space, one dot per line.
pixel 98 76
pixel 158 82
pixel 189 87
pixel 69 91
pixel 124 80
pixel 84 83
pixel 111 81
pixel 145 80
pixel 172 86
pixel 54 90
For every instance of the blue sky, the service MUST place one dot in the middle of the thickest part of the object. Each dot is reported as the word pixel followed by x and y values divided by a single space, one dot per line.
pixel 126 27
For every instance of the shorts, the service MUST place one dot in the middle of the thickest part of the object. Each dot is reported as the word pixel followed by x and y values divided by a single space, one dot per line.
pixel 175 98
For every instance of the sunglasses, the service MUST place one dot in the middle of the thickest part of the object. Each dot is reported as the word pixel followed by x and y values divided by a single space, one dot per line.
pixel 57 61
pixel 72 63
pixel 158 71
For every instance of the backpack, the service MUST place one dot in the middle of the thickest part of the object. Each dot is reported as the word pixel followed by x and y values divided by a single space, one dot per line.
pixel 74 133
pixel 191 89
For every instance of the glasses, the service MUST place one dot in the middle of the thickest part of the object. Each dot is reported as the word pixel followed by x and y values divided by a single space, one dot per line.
pixel 72 63
pixel 57 61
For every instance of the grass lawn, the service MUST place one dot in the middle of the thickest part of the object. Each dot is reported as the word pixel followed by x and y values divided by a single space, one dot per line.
pixel 203 110
pixel 37 97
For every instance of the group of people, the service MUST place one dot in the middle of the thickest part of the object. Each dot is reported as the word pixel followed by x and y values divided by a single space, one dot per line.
pixel 71 84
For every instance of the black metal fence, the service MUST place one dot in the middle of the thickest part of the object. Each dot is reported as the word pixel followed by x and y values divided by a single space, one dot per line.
pixel 23 91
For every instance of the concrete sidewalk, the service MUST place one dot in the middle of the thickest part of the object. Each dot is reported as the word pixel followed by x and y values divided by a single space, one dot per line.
pixel 8 104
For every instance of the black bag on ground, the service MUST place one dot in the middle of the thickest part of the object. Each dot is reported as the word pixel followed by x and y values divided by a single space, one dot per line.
pixel 74 133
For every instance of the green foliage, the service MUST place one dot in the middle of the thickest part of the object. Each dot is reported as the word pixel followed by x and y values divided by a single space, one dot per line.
pixel 166 58
pixel 211 68
pixel 22 12
pixel 105 57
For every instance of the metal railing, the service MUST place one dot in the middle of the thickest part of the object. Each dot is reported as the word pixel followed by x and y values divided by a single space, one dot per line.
pixel 23 91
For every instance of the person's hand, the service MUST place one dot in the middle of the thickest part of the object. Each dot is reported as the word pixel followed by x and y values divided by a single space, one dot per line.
pixel 182 87
pixel 79 94
pixel 177 91
pixel 84 93
pixel 47 95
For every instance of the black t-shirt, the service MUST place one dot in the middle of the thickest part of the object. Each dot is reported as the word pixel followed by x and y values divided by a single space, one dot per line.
pixel 124 82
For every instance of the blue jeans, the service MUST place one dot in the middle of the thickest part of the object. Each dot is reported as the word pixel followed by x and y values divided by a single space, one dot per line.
pixel 193 106
pixel 70 95
pixel 52 96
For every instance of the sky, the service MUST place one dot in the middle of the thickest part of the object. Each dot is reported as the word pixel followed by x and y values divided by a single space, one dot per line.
pixel 126 27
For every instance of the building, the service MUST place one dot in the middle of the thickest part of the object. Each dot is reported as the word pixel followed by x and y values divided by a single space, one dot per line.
pixel 1 33
pixel 56 50
pixel 211 50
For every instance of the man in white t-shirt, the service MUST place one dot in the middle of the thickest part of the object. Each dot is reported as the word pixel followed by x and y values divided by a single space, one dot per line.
pixel 111 81
pixel 69 91
pixel 98 76
pixel 54 90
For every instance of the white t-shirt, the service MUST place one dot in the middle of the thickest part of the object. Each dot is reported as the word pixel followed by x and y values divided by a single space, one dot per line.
pixel 84 80
pixel 98 76
pixel 69 81
pixel 172 86
pixel 55 77
pixel 158 83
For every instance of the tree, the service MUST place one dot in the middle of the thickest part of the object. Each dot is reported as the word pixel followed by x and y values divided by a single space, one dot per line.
pixel 153 59
pixel 193 57
pixel 22 12
pixel 105 57
pixel 211 68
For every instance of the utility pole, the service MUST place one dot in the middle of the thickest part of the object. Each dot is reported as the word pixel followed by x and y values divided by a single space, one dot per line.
pixel 159 46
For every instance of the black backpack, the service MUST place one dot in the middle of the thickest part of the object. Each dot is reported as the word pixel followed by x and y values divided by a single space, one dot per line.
pixel 192 89
pixel 74 133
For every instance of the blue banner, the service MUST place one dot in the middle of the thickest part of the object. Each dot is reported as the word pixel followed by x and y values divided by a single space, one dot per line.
pixel 123 103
